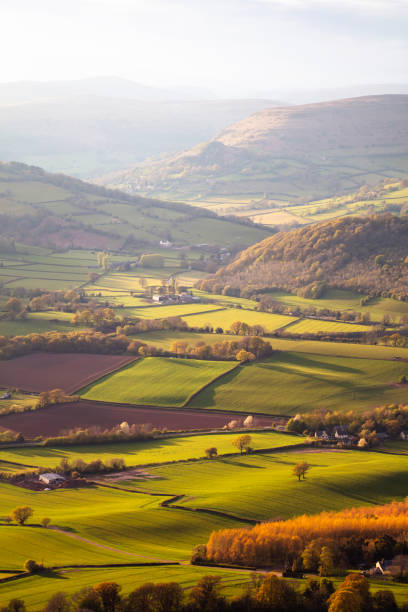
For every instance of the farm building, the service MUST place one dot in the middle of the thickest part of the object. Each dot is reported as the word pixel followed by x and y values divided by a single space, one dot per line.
pixel 51 479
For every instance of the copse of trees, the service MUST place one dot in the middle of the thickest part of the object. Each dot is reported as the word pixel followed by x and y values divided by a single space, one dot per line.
pixel 342 253
pixel 352 536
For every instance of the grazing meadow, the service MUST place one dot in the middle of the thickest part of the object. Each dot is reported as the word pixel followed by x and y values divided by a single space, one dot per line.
pixel 156 381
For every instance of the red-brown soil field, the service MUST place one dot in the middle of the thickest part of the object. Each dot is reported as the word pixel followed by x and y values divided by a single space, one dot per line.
pixel 68 371
pixel 85 413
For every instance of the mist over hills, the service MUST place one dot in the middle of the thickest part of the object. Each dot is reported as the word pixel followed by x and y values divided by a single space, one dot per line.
pixel 292 153
pixel 90 127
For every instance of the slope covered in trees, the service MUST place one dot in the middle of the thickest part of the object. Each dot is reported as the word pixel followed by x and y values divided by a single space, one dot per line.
pixel 288 153
pixel 57 211
pixel 368 254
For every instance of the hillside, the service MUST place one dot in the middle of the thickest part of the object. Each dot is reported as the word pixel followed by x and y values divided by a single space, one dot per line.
pixel 286 154
pixel 57 211
pixel 91 127
pixel 368 254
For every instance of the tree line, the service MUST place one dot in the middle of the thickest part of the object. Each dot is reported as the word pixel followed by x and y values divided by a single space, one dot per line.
pixel 263 593
pixel 326 542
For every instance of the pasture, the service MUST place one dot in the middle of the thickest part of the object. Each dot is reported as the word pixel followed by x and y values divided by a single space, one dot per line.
pixel 164 338
pixel 315 326
pixel 263 487
pixel 224 319
pixel 292 382
pixel 338 299
pixel 146 451
pixel 35 590
pixel 68 371
pixel 156 381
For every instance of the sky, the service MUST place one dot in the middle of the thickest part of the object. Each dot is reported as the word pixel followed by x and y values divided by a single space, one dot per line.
pixel 230 47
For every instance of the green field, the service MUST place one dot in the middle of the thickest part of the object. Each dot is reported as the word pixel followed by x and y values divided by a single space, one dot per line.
pixel 38 323
pixel 164 338
pixel 337 299
pixel 35 590
pixel 313 326
pixel 262 487
pixel 224 319
pixel 162 312
pixel 156 381
pixel 257 487
pixel 297 382
pixel 144 452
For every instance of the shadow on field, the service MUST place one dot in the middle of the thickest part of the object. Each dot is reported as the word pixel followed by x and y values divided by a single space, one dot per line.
pixel 50 573
pixel 241 464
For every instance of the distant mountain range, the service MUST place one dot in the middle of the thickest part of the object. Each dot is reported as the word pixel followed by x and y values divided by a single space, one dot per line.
pixel 90 127
pixel 292 153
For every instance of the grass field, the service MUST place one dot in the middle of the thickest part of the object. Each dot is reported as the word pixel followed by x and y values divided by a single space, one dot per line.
pixel 162 312
pixel 297 382
pixel 35 590
pixel 262 487
pixel 164 339
pixel 313 326
pixel 224 319
pixel 337 299
pixel 149 451
pixel 156 381
pixel 257 486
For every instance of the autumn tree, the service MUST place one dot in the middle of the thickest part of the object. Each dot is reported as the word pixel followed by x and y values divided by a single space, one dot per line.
pixel 59 602
pixel 205 595
pixel 211 452
pixel 109 594
pixel 244 356
pixel 15 308
pixel 326 566
pixel 21 514
pixel 276 595
pixel 15 605
pixel 242 443
pixel 300 469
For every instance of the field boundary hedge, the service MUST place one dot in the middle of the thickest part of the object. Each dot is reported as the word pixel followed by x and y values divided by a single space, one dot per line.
pixel 208 384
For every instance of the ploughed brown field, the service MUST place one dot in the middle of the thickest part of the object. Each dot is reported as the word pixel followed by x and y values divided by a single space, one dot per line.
pixel 68 371
pixel 59 418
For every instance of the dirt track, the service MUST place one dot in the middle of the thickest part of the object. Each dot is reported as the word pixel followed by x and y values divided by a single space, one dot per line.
pixel 85 413
pixel 68 371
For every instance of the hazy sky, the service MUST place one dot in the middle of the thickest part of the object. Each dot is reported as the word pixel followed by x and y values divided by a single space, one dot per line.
pixel 228 46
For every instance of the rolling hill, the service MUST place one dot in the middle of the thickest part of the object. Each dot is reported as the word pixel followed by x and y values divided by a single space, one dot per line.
pixel 287 154
pixel 367 254
pixel 93 126
pixel 57 211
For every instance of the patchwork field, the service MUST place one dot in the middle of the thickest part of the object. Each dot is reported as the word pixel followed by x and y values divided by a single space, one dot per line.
pixel 297 382
pixel 156 381
pixel 68 371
